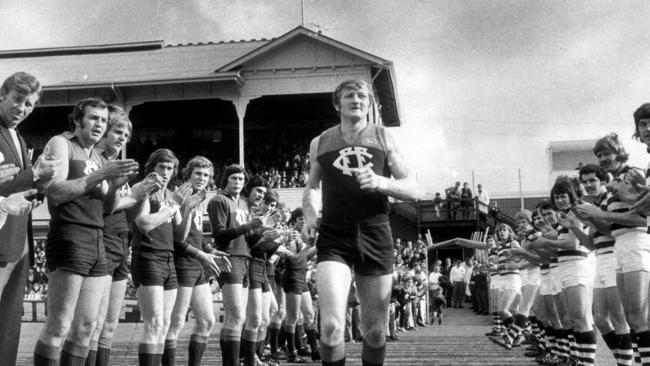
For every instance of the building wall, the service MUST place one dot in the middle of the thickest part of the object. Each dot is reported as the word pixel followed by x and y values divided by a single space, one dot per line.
pixel 510 206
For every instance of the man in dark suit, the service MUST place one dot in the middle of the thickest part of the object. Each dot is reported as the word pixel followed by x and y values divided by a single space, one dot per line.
pixel 18 96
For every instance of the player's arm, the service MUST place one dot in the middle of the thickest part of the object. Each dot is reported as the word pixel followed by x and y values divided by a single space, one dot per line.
pixel 62 190
pixel 403 187
pixel 623 218
pixel 182 230
pixel 596 214
pixel 218 213
pixel 311 195
pixel 147 221
pixel 528 255
pixel 150 221
pixel 568 243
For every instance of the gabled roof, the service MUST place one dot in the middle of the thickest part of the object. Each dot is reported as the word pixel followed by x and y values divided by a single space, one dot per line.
pixel 297 32
pixel 86 66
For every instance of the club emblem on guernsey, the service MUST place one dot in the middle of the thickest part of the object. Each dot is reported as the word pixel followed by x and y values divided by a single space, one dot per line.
pixel 343 163
pixel 91 166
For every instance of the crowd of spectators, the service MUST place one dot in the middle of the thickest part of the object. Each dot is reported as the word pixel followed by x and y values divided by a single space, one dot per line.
pixel 280 156
pixel 408 300
pixel 37 279
pixel 459 203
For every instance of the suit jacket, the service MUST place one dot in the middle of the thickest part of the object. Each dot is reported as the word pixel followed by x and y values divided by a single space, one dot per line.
pixel 17 229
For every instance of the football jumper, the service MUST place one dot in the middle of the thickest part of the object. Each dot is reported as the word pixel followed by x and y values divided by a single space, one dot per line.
pixel 354 228
pixel 74 240
pixel 153 252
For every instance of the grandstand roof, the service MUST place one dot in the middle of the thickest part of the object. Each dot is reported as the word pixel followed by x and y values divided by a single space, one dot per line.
pixel 151 63
pixel 72 67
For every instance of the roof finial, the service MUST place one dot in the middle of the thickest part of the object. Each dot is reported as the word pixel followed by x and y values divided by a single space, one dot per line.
pixel 302 13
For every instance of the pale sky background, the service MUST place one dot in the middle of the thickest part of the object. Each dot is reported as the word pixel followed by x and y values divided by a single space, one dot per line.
pixel 484 86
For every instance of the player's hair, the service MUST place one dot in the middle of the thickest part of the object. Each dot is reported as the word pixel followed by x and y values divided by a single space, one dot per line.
pixel 161 156
pixel 545 205
pixel 535 213
pixel 601 174
pixel 117 117
pixel 564 184
pixel 197 162
pixel 79 110
pixel 525 214
pixel 22 83
pixel 271 196
pixel 511 233
pixel 611 143
pixel 230 170
pixel 295 215
pixel 643 112
pixel 355 84
pixel 255 181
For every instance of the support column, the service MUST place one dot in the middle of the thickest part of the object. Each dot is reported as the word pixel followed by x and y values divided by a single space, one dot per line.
pixel 240 106
pixel 127 108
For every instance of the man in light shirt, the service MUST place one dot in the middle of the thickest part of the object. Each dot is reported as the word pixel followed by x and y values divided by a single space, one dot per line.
pixel 483 203
pixel 457 278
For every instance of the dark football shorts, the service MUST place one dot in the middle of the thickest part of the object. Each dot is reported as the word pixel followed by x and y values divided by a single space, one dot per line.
pixel 117 250
pixel 272 284
pixel 189 272
pixel 154 269
pixel 366 247
pixel 238 273
pixel 294 281
pixel 77 249
pixel 257 273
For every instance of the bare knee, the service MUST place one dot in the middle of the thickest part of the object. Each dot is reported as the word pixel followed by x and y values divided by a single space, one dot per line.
pixel 82 331
pixel 280 314
pixel 154 326
pixel 331 332
pixel 254 322
pixel 374 331
pixel 308 318
pixel 602 322
pixel 204 325
pixel 235 319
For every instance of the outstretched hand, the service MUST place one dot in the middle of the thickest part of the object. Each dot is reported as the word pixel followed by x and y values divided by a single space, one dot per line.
pixel 217 263
pixel 18 204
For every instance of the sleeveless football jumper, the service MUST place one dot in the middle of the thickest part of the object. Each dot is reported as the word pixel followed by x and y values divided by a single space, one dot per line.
pixel 152 262
pixel 354 228
pixel 74 240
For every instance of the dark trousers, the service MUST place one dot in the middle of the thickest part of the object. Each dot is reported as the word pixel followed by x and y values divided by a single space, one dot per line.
pixel 458 294
pixel 482 304
pixel 11 310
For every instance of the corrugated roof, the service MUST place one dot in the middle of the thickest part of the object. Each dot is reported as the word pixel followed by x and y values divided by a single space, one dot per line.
pixel 177 62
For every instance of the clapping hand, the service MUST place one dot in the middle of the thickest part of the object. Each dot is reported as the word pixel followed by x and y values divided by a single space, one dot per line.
pixel 217 261
pixel 119 168
pixel 150 184
pixel 8 172
pixel 193 201
pixel 46 167
pixel 182 193
pixel 18 204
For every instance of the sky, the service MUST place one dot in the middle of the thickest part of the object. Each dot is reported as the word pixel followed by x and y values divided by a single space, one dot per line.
pixel 483 86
